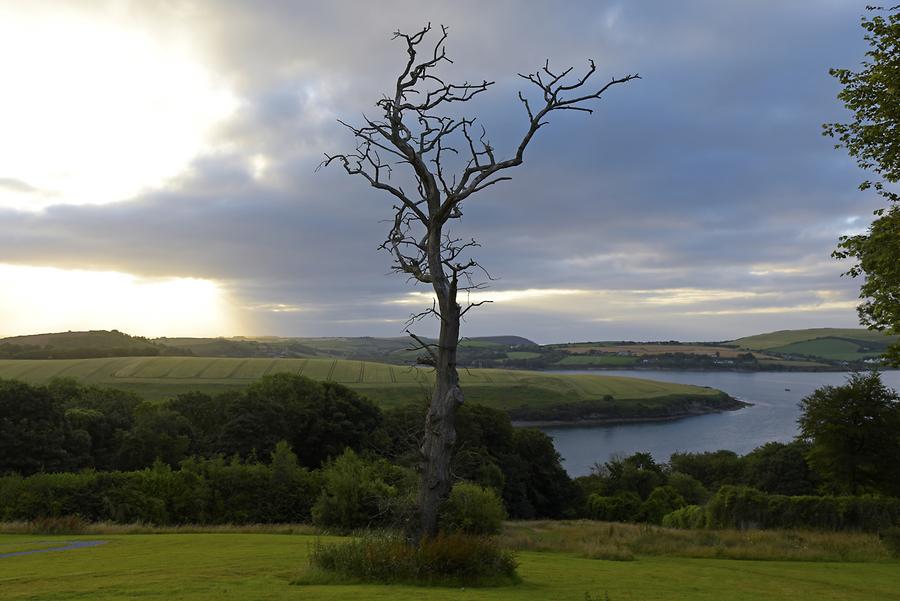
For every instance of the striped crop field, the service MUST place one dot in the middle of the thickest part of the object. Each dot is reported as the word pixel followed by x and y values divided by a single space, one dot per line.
pixel 162 377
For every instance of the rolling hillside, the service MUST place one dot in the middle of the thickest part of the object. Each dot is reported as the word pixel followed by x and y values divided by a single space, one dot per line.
pixel 161 377
pixel 836 344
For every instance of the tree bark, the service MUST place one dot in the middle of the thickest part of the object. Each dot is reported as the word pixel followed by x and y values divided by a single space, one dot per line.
pixel 440 430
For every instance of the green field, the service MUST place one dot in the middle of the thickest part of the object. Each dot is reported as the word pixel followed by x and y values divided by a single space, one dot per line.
pixel 837 344
pixel 207 567
pixel 162 377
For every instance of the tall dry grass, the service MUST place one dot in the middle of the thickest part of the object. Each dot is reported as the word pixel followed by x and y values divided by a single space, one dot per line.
pixel 615 541
pixel 73 525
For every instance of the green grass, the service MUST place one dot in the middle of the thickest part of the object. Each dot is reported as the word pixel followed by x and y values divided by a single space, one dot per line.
pixel 783 338
pixel 839 349
pixel 260 567
pixel 522 355
pixel 162 377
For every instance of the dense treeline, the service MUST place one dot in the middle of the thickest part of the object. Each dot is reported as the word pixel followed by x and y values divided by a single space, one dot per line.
pixel 125 443
pixel 292 449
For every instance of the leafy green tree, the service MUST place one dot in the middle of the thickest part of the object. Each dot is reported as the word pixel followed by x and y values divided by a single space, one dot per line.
pixel 638 473
pixel 318 419
pixel 206 415
pixel 548 490
pixel 872 94
pixel 104 415
pixel 292 489
pixel 158 433
pixel 712 468
pixel 781 468
pixel 854 434
pixel 691 489
pixel 34 433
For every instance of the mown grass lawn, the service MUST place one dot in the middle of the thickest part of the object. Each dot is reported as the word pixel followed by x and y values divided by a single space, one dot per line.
pixel 261 566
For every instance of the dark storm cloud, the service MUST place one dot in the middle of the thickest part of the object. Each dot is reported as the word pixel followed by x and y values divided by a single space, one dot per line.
pixel 708 174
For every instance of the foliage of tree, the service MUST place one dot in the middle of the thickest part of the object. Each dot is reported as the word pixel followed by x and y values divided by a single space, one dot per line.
pixel 34 433
pixel 712 469
pixel 854 435
pixel 780 468
pixel 318 419
pixel 691 490
pixel 638 473
pixel 872 94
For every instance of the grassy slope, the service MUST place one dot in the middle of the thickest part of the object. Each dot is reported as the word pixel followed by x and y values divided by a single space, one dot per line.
pixel 158 377
pixel 260 567
pixel 781 338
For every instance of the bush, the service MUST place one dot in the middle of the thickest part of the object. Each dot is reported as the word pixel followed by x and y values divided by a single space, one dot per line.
pixel 452 559
pixel 690 517
pixel 353 496
pixel 743 507
pixel 472 509
pixel 213 491
pixel 623 507
pixel 662 501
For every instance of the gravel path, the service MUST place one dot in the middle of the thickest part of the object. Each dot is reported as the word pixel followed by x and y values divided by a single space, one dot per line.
pixel 79 544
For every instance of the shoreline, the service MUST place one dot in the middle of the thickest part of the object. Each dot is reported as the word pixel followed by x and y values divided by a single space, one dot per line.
pixel 612 421
pixel 611 411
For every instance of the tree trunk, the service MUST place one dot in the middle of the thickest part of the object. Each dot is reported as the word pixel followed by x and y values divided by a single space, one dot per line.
pixel 440 431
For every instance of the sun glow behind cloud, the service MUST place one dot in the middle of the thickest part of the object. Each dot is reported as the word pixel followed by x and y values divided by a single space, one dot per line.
pixel 45 299
pixel 95 112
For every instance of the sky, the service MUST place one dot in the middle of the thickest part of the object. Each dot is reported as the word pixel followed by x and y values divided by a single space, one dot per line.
pixel 158 168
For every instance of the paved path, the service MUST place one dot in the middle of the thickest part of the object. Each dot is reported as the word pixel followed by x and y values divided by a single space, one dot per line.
pixel 79 544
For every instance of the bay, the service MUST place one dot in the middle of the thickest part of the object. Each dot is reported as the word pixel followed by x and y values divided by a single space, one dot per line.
pixel 773 417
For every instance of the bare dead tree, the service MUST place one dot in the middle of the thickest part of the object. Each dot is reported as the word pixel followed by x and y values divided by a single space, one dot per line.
pixel 448 161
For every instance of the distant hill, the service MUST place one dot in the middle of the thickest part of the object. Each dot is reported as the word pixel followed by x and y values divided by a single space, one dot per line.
pixel 821 348
pixel 503 340
pixel 836 344
pixel 98 339
pixel 79 345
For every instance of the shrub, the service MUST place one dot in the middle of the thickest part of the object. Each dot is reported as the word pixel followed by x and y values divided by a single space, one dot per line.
pixel 472 509
pixel 738 507
pixel 743 507
pixel 690 517
pixel 623 507
pixel 662 500
pixel 452 559
pixel 353 495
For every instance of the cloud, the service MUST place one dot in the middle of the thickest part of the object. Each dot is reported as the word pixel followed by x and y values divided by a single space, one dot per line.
pixel 704 187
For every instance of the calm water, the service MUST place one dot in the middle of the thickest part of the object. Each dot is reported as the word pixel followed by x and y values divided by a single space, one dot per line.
pixel 773 417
